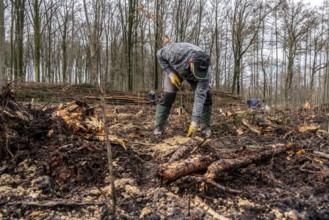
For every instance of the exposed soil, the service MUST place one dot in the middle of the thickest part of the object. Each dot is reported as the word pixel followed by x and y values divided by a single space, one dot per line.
pixel 48 171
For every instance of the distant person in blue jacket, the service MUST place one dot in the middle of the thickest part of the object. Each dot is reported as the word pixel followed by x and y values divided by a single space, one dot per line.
pixel 152 97
pixel 254 103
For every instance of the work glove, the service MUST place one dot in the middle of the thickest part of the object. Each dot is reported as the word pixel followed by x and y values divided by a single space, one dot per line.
pixel 192 129
pixel 175 80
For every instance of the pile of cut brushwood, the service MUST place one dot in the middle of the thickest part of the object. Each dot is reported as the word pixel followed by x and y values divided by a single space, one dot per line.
pixel 256 165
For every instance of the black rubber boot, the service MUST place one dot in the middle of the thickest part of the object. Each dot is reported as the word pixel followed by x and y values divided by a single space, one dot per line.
pixel 162 111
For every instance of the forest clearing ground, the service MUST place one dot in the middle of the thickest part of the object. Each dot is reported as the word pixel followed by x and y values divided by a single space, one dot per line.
pixel 65 176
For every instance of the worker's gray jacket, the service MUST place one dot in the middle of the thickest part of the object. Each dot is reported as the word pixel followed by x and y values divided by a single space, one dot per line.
pixel 174 58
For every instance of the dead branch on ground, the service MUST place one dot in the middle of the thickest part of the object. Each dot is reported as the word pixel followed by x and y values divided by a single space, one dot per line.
pixel 227 164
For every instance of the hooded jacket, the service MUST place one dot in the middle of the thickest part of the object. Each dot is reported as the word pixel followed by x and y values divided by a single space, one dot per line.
pixel 175 58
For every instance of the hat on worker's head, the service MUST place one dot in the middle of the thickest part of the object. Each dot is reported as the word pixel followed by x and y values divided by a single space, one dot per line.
pixel 201 62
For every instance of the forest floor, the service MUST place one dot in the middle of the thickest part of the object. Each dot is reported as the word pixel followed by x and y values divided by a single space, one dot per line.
pixel 49 170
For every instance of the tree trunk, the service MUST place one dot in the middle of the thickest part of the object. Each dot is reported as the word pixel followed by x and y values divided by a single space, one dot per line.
pixel 217 47
pixel 49 47
pixel 156 45
pixel 12 44
pixel 276 59
pixel 64 48
pixel 263 63
pixel 236 76
pixel 289 76
pixel 130 42
pixel 93 35
pixel 2 44
pixel 19 37
pixel 37 40
pixel 199 23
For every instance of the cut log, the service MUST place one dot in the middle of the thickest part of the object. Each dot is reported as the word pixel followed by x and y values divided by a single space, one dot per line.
pixel 173 171
pixel 222 165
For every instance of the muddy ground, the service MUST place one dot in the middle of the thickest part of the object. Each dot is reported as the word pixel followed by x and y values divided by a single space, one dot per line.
pixel 48 171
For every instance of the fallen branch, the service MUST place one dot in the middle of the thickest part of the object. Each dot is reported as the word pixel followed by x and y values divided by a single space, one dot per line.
pixel 199 145
pixel 52 204
pixel 227 164
pixel 221 187
pixel 326 133
pixel 251 127
pixel 7 147
pixel 197 201
pixel 287 134
pixel 173 171
pixel 123 99
pixel 321 154
pixel 144 144
pixel 190 146
pixel 179 153
pixel 201 179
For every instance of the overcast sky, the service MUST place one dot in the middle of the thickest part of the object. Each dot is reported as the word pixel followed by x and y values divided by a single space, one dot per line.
pixel 313 2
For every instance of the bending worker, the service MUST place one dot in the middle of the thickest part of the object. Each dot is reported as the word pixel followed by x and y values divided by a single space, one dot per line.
pixel 185 61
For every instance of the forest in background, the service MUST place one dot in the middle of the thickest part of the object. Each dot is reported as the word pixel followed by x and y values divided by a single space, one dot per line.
pixel 277 50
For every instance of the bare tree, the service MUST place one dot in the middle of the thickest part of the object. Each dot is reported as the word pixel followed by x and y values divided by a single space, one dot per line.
pixel 217 37
pixel 2 42
pixel 17 37
pixel 264 59
pixel 298 20
pixel 93 34
pixel 198 27
pixel 183 12
pixel 48 43
pixel 158 34
pixel 276 56
pixel 318 45
pixel 123 14
pixel 65 18
pixel 37 39
pixel 107 29
pixel 130 41
pixel 326 52
pixel 245 31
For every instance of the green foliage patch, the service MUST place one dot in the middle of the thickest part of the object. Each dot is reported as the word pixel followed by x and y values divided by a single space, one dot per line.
pixel 87 86
pixel 40 95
